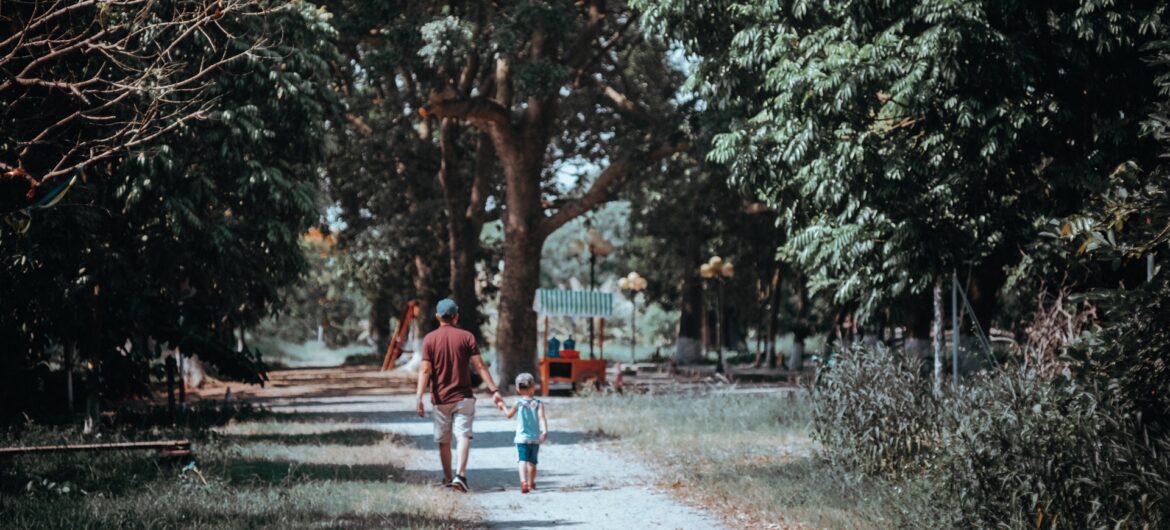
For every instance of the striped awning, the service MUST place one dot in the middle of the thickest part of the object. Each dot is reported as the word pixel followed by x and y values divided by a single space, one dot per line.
pixel 559 302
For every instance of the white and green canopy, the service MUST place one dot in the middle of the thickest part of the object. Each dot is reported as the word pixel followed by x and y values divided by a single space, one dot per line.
pixel 559 302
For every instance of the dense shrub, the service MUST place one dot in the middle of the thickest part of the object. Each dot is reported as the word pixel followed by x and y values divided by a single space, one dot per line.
pixel 1131 357
pixel 1008 449
pixel 1018 448
pixel 875 413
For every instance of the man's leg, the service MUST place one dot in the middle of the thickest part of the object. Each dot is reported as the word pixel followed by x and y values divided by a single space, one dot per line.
pixel 445 458
pixel 464 449
pixel 442 415
pixel 463 418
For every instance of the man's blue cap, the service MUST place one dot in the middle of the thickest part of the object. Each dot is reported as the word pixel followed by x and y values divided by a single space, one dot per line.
pixel 447 308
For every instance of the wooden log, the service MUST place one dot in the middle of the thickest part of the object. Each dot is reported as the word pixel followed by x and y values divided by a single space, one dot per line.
pixel 165 445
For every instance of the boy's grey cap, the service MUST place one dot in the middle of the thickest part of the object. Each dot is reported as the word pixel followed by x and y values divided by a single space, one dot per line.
pixel 525 380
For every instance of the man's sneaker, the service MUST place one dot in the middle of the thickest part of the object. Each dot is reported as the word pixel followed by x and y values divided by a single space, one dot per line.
pixel 460 483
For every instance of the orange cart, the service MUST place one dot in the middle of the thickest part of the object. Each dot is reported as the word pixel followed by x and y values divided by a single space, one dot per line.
pixel 573 304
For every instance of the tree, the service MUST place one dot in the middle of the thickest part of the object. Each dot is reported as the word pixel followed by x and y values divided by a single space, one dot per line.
pixel 553 85
pixel 185 240
pixel 450 170
pixel 86 81
pixel 905 141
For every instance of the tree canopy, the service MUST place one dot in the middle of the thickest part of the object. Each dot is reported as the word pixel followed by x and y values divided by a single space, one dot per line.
pixel 185 239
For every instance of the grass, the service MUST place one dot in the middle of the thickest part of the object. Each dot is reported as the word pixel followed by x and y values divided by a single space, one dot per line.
pixel 279 353
pixel 748 456
pixel 259 474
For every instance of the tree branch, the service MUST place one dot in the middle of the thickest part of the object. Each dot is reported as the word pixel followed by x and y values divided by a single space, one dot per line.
pixel 577 56
pixel 604 185
pixel 478 110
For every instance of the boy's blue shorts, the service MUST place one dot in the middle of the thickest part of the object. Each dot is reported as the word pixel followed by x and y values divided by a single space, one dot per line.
pixel 528 452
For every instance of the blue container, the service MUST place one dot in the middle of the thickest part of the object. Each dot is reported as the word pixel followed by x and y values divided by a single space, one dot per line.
pixel 554 347
pixel 570 344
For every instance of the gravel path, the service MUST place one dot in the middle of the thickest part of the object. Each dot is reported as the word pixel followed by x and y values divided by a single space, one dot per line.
pixel 580 486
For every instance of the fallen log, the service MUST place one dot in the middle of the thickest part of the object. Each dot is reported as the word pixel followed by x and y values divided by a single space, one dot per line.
pixel 162 445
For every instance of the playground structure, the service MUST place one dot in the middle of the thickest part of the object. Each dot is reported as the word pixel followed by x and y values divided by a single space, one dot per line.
pixel 401 333
pixel 574 304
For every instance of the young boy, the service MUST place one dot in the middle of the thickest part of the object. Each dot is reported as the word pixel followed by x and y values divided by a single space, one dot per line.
pixel 531 429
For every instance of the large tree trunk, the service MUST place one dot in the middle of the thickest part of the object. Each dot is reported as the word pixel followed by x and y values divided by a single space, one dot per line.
pixel 919 319
pixel 689 345
pixel 772 316
pixel 427 284
pixel 800 330
pixel 524 236
pixel 464 196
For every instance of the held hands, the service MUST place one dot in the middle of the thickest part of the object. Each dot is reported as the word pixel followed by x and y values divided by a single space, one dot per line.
pixel 421 411
pixel 498 400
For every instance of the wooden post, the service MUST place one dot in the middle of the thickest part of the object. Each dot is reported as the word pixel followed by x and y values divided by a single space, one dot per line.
pixel 546 335
pixel 170 369
pixel 69 376
pixel 182 377
pixel 601 338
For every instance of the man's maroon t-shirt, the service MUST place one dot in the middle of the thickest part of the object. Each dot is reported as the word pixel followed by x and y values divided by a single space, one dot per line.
pixel 449 350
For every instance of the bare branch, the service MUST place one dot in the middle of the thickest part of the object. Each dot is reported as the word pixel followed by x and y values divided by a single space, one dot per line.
pixel 479 110
pixel 604 185
pixel 88 80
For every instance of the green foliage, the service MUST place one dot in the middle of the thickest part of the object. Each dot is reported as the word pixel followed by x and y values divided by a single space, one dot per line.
pixel 874 412
pixel 188 240
pixel 446 40
pixel 1007 449
pixel 1053 453
pixel 1132 356
pixel 327 297
pixel 902 140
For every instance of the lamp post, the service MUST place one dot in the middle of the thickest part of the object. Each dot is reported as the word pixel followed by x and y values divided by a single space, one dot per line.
pixel 717 270
pixel 597 246
pixel 634 283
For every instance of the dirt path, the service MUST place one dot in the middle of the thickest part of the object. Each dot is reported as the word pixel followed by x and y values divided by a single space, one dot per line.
pixel 579 485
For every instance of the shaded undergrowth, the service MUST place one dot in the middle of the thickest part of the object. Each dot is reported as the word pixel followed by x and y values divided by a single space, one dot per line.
pixel 245 474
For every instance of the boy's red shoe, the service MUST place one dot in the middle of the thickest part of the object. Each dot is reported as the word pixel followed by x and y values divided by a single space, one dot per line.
pixel 523 487
pixel 531 486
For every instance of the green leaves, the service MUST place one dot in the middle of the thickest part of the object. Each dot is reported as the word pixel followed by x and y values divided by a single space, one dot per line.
pixel 944 129
pixel 190 237
pixel 446 41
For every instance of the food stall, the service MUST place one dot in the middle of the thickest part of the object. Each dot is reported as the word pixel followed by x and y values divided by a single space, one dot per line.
pixel 566 366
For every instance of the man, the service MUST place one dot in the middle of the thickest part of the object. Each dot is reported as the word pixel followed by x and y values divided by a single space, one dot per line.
pixel 448 354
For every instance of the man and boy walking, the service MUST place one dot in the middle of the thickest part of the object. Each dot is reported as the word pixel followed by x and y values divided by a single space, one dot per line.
pixel 449 354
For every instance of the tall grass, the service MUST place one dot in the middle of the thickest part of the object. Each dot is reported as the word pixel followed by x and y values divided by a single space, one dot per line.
pixel 749 456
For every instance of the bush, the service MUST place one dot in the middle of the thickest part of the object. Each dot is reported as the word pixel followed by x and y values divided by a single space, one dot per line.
pixel 1019 449
pixel 1008 449
pixel 873 412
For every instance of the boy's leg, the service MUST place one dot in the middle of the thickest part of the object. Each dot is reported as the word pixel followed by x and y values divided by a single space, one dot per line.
pixel 523 472
pixel 531 474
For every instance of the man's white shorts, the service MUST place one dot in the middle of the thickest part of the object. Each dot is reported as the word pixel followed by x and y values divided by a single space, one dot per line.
pixel 453 418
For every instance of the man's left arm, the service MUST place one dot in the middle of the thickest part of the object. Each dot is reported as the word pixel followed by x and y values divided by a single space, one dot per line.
pixel 482 370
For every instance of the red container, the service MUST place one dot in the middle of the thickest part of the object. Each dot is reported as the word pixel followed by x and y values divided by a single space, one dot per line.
pixel 570 354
